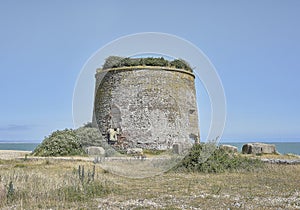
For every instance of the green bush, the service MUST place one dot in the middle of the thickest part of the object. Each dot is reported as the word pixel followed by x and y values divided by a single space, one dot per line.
pixel 112 62
pixel 219 161
pixel 181 64
pixel 129 62
pixel 72 142
pixel 88 136
pixel 60 143
pixel 155 61
pixel 116 61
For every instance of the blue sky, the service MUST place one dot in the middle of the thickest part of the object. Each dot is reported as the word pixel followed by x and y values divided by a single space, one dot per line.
pixel 254 46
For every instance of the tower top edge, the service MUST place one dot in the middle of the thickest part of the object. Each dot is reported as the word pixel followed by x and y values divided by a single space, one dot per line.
pixel 155 68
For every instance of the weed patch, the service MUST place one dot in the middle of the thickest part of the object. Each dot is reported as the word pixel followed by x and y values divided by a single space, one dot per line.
pixel 219 161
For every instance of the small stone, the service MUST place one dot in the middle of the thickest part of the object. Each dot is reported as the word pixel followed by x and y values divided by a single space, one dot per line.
pixel 95 151
pixel 229 148
pixel 135 151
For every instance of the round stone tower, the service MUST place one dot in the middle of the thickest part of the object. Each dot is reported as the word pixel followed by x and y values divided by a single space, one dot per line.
pixel 153 107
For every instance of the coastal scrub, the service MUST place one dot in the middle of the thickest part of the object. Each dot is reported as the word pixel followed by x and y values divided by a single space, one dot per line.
pixel 60 143
pixel 219 161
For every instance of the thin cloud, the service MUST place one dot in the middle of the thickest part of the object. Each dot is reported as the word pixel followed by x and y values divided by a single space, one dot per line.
pixel 14 127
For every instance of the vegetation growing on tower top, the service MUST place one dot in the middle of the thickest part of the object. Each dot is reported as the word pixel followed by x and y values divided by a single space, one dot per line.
pixel 116 61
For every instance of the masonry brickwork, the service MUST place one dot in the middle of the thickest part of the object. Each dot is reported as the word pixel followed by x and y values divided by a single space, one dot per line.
pixel 153 107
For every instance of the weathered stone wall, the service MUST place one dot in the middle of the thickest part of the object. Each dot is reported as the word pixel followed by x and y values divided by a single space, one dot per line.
pixel 154 107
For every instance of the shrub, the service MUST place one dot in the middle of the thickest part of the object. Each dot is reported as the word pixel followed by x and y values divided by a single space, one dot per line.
pixel 72 142
pixel 88 125
pixel 219 161
pixel 181 64
pixel 88 136
pixel 129 62
pixel 60 143
pixel 116 61
pixel 112 62
pixel 91 137
pixel 155 61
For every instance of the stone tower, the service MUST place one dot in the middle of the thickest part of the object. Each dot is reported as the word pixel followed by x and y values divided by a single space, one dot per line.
pixel 154 107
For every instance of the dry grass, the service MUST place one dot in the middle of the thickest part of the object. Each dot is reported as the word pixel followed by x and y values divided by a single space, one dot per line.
pixel 274 187
pixel 274 156
pixel 50 184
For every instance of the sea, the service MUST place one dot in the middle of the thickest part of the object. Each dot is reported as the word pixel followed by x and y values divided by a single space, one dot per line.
pixel 281 147
pixel 18 146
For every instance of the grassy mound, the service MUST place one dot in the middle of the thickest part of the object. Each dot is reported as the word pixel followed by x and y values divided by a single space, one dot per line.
pixel 60 143
pixel 217 161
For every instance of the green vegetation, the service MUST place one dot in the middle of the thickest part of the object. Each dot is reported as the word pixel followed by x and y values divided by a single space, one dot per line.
pixel 60 143
pixel 112 62
pixel 116 61
pixel 180 64
pixel 10 192
pixel 88 136
pixel 153 152
pixel 219 161
pixel 70 142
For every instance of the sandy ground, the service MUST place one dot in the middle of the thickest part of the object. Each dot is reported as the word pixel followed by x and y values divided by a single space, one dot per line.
pixel 12 154
pixel 15 154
